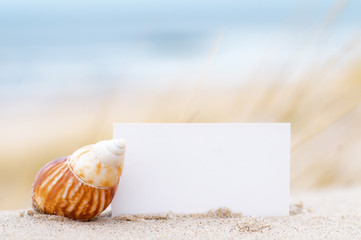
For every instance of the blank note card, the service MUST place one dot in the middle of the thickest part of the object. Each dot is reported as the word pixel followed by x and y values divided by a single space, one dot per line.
pixel 196 167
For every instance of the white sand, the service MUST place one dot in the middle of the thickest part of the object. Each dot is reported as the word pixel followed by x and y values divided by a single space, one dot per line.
pixel 326 214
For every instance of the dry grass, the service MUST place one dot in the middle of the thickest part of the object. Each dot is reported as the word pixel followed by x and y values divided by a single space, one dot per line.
pixel 325 127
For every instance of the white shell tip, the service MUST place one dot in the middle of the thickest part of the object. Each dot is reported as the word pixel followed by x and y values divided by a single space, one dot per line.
pixel 120 143
pixel 110 152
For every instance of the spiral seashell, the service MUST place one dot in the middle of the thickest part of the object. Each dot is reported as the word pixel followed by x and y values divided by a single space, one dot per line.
pixel 82 185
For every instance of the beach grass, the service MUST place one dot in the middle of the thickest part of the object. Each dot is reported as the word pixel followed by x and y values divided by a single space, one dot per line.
pixel 325 115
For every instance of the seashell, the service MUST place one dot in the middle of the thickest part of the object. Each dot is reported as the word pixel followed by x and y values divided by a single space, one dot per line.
pixel 82 185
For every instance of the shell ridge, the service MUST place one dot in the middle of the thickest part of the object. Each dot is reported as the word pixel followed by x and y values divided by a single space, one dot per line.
pixel 48 173
pixel 61 190
pixel 81 180
pixel 77 203
pixel 83 201
pixel 98 200
pixel 66 198
pixel 93 205
pixel 72 194
pixel 54 187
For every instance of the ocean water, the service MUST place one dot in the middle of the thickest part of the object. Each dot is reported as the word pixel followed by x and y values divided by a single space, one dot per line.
pixel 85 48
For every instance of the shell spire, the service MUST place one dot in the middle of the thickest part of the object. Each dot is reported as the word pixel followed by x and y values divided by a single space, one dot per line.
pixel 82 185
pixel 101 164
pixel 110 152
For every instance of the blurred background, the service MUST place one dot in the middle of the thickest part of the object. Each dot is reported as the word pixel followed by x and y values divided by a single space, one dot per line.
pixel 69 69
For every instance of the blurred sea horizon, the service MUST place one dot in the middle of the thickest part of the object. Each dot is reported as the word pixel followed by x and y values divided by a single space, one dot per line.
pixel 45 49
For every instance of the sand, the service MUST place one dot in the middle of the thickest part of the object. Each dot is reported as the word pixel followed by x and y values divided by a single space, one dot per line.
pixel 324 214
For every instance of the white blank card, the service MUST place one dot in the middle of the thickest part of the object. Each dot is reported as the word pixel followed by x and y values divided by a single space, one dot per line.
pixel 196 167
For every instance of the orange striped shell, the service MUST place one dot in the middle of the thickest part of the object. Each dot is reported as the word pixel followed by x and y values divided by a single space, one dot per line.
pixel 57 190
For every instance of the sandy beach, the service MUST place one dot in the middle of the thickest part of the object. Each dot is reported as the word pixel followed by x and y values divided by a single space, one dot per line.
pixel 324 214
